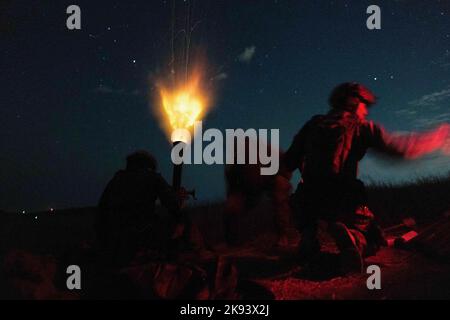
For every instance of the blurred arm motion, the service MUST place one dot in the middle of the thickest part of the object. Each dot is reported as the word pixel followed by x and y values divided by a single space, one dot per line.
pixel 411 145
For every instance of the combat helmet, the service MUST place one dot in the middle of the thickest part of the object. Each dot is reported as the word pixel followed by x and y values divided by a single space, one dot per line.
pixel 348 95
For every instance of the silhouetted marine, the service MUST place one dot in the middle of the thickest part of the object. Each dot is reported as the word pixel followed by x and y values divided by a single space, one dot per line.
pixel 126 218
pixel 246 187
pixel 327 151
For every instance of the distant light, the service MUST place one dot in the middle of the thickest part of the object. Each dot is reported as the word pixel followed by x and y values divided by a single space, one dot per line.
pixel 23 211
pixel 375 78
pixel 134 61
pixel 35 217
pixel 51 209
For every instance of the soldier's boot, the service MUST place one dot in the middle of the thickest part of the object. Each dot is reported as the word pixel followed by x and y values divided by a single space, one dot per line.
pixel 309 244
pixel 234 209
pixel 283 240
pixel 284 230
pixel 280 194
pixel 350 257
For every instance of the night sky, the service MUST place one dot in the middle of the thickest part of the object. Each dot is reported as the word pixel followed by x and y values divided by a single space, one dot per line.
pixel 73 104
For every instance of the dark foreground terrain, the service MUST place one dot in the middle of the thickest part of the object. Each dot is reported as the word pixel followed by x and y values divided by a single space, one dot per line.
pixel 36 249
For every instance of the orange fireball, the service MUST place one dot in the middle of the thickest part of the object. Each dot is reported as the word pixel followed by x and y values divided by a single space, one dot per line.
pixel 184 104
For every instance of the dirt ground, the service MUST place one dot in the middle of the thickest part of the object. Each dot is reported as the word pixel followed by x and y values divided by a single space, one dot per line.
pixel 405 274
pixel 260 269
pixel 268 271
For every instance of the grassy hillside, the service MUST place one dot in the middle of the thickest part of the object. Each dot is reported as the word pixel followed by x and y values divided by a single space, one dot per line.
pixel 57 231
pixel 424 200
